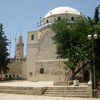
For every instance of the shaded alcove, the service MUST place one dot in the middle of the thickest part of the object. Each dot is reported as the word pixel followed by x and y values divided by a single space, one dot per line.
pixel 85 76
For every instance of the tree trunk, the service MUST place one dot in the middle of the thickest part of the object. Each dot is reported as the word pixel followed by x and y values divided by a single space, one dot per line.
pixel 74 73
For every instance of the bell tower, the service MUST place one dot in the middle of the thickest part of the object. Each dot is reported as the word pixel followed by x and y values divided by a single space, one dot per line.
pixel 19 49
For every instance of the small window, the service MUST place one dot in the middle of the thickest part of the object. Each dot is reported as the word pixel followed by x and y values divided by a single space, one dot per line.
pixel 6 76
pixel 20 59
pixel 41 70
pixel 9 76
pixel 47 21
pixel 58 57
pixel 54 19
pixel 72 18
pixel 32 37
pixel 17 60
pixel 13 75
pixel 59 18
pixel 30 74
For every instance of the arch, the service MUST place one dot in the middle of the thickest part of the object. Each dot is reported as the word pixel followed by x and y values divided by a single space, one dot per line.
pixel 59 18
pixel 86 76
pixel 72 18
pixel 41 70
pixel 32 37
pixel 47 21
pixel 13 75
pixel 46 40
pixel 30 74
pixel 54 19
pixel 6 76
pixel 44 35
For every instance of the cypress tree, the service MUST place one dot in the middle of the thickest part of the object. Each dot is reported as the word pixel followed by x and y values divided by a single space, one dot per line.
pixel 4 55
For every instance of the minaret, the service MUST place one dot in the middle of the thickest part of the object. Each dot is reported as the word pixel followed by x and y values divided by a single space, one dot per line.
pixel 19 49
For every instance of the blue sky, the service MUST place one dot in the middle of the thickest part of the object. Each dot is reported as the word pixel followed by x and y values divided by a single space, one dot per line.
pixel 20 16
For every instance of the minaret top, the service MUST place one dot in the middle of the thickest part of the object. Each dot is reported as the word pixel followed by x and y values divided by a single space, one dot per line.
pixel 19 39
pixel 19 49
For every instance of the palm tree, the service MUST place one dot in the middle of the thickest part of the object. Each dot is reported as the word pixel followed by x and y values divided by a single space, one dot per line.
pixel 96 15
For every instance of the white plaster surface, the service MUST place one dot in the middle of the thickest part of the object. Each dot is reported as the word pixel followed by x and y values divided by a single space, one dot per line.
pixel 62 10
pixel 34 97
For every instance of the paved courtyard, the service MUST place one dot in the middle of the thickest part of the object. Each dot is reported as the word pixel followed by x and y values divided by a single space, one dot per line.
pixel 31 84
pixel 33 97
pixel 5 96
pixel 27 83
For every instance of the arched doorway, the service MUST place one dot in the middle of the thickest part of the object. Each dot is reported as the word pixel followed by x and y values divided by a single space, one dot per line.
pixel 86 76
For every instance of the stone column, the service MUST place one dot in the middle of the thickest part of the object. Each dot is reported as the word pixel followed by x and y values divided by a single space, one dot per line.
pixel 90 76
pixel 90 85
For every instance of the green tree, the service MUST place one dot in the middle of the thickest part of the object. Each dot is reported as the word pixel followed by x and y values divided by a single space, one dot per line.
pixel 4 59
pixel 72 43
pixel 95 24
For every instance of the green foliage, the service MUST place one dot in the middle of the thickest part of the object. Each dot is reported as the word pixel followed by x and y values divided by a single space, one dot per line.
pixel 17 78
pixel 72 42
pixel 4 60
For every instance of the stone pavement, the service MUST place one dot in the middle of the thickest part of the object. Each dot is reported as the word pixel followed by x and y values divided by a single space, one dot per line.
pixel 30 84
pixel 4 96
pixel 27 83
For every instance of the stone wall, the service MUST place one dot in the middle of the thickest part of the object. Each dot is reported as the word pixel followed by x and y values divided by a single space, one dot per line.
pixel 16 69
pixel 52 71
pixel 55 17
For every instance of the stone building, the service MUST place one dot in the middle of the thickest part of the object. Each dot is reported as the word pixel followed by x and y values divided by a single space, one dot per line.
pixel 17 65
pixel 41 62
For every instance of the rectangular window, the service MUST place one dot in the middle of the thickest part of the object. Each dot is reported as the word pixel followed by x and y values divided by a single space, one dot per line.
pixel 32 37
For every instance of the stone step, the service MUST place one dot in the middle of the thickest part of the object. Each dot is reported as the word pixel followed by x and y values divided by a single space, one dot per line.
pixel 12 91
pixel 67 90
pixel 66 95
pixel 63 83
pixel 15 88
pixel 23 90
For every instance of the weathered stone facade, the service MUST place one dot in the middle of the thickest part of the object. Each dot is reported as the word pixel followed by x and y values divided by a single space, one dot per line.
pixel 41 51
pixel 42 62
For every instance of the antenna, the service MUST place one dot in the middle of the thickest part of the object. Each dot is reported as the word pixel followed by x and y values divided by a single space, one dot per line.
pixel 40 20
pixel 9 45
pixel 15 45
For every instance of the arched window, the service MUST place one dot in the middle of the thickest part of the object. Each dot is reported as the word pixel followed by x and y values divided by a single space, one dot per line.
pixel 32 37
pixel 59 18
pixel 72 18
pixel 20 59
pixel 47 21
pixel 13 75
pixel 9 76
pixel 41 70
pixel 30 74
pixel 54 19
pixel 17 76
pixel 6 76
pixel 17 60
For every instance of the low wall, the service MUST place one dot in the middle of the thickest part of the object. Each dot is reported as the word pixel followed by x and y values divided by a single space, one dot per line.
pixel 23 90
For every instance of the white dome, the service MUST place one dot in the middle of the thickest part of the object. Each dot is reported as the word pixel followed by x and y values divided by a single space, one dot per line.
pixel 62 10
